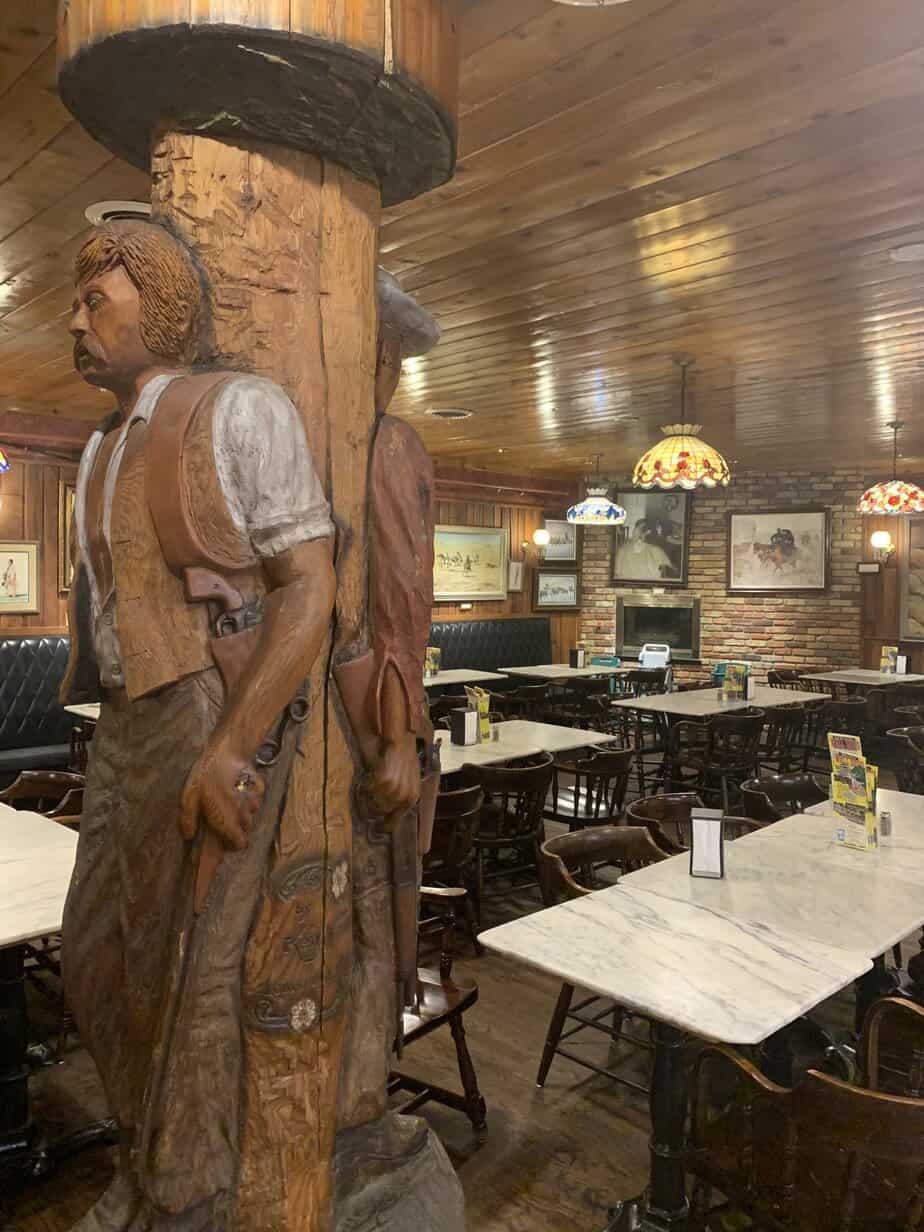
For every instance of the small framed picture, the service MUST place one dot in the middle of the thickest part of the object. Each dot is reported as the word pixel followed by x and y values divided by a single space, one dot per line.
pixel 557 590
pixel 515 576
pixel 19 577
pixel 564 543
pixel 67 494
pixel 778 551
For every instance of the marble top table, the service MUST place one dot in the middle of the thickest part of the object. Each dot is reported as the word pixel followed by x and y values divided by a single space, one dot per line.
pixel 863 675
pixel 36 862
pixel 562 671
pixel 516 738
pixel 703 703
pixel 460 675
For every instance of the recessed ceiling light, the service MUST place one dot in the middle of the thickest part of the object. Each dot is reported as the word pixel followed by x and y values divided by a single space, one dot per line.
pixel 448 412
pixel 109 211
pixel 908 252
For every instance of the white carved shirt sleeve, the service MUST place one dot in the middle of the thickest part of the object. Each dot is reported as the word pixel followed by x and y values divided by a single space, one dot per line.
pixel 265 468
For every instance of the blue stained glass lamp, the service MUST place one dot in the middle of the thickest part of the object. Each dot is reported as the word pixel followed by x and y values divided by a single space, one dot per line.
pixel 4 463
pixel 596 509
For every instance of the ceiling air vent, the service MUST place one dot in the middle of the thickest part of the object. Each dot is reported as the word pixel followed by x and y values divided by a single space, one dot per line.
pixel 110 211
pixel 448 412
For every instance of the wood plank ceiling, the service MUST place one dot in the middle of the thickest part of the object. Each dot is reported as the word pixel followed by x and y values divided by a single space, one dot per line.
pixel 724 179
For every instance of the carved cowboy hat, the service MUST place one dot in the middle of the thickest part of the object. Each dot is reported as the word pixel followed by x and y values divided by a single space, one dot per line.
pixel 419 331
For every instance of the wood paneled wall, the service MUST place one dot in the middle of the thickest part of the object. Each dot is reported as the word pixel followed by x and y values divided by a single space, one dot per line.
pixel 521 521
pixel 881 597
pixel 29 510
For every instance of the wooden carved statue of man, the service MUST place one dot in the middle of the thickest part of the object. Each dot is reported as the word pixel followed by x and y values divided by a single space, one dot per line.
pixel 202 593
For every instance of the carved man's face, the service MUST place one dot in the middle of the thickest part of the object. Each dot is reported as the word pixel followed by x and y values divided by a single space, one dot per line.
pixel 108 348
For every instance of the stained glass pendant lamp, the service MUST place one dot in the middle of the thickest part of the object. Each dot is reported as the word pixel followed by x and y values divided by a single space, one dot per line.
pixel 681 460
pixel 596 509
pixel 895 496
pixel 4 463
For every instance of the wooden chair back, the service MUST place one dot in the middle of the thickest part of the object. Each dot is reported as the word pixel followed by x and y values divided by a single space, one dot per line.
pixel 514 797
pixel 525 702
pixel 455 824
pixel 782 735
pixel 909 772
pixel 625 847
pixel 734 739
pixel 784 678
pixel 643 681
pixel 599 791
pixel 891 1053
pixel 775 796
pixel 666 817
pixel 41 791
pixel 825 1156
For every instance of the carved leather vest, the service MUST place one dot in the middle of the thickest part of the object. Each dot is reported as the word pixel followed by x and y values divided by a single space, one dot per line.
pixel 169 513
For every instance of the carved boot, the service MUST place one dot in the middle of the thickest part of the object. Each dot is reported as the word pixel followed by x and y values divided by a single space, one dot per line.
pixel 116 1210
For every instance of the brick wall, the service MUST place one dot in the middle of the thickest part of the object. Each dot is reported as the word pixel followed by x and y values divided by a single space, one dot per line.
pixel 798 631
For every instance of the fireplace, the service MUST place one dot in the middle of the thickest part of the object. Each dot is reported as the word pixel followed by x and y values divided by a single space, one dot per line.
pixel 671 620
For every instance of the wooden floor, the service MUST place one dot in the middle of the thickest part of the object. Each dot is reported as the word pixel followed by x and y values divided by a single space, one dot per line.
pixel 554 1159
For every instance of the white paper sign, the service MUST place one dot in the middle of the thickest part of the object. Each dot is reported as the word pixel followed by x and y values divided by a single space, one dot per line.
pixel 901 665
pixel 706 855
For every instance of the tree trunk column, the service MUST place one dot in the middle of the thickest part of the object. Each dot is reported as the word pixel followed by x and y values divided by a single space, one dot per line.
pixel 275 132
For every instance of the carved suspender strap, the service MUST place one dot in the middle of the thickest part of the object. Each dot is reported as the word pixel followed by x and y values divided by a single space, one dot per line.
pixel 175 521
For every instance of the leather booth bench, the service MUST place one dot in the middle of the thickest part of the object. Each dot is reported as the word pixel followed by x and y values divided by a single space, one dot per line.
pixel 493 644
pixel 35 729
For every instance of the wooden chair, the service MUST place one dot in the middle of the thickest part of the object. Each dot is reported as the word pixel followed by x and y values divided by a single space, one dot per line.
pixel 891 1052
pixel 41 791
pixel 450 860
pixel 598 791
pixel 646 732
pixel 81 737
pixel 442 1002
pixel 625 848
pixel 528 701
pixel 784 678
pixel 909 768
pixel 825 1156
pixel 510 823
pixel 780 748
pixel 441 707
pixel 775 796
pixel 730 754
pixel 847 717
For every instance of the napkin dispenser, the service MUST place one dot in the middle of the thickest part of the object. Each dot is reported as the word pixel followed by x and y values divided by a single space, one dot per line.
pixel 577 657
pixel 654 654
pixel 707 843
pixel 463 726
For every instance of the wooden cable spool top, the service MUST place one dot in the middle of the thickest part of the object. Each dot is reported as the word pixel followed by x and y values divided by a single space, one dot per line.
pixel 369 84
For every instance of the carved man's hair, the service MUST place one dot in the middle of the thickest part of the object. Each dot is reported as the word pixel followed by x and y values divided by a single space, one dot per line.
pixel 165 276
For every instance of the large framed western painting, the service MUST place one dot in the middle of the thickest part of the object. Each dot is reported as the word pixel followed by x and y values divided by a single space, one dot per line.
pixel 469 562
pixel 912 578
pixel 778 551
pixel 652 546
pixel 19 577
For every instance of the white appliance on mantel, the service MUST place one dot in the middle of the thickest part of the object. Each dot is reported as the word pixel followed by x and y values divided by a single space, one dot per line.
pixel 654 654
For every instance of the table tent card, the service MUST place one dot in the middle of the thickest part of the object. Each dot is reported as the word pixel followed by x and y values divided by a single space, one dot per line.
pixel 707 844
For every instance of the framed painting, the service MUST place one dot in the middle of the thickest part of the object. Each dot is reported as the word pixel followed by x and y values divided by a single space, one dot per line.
pixel 779 550
pixel 515 576
pixel 652 547
pixel 67 493
pixel 469 562
pixel 911 628
pixel 557 590
pixel 19 577
pixel 564 544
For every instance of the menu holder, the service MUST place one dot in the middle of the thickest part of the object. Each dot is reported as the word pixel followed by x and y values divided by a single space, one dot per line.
pixel 888 660
pixel 853 792
pixel 434 658
pixel 707 843
pixel 480 702
pixel 735 683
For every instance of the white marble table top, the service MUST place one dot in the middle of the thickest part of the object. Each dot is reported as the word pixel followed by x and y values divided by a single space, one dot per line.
pixel 460 675
pixel 36 862
pixel 795 884
pixel 863 675
pixel 516 738
pixel 720 978
pixel 701 703
pixel 562 671
pixel 84 710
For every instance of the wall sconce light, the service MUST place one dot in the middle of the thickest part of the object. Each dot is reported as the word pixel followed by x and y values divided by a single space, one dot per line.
pixel 542 537
pixel 881 542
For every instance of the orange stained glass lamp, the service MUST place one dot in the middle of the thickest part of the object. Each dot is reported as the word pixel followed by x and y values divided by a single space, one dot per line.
pixel 681 460
pixel 896 495
pixel 4 463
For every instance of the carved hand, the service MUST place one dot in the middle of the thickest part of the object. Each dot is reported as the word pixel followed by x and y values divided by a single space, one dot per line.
pixel 225 790
pixel 394 781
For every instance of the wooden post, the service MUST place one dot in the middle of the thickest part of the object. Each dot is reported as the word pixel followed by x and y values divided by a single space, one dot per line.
pixel 274 132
